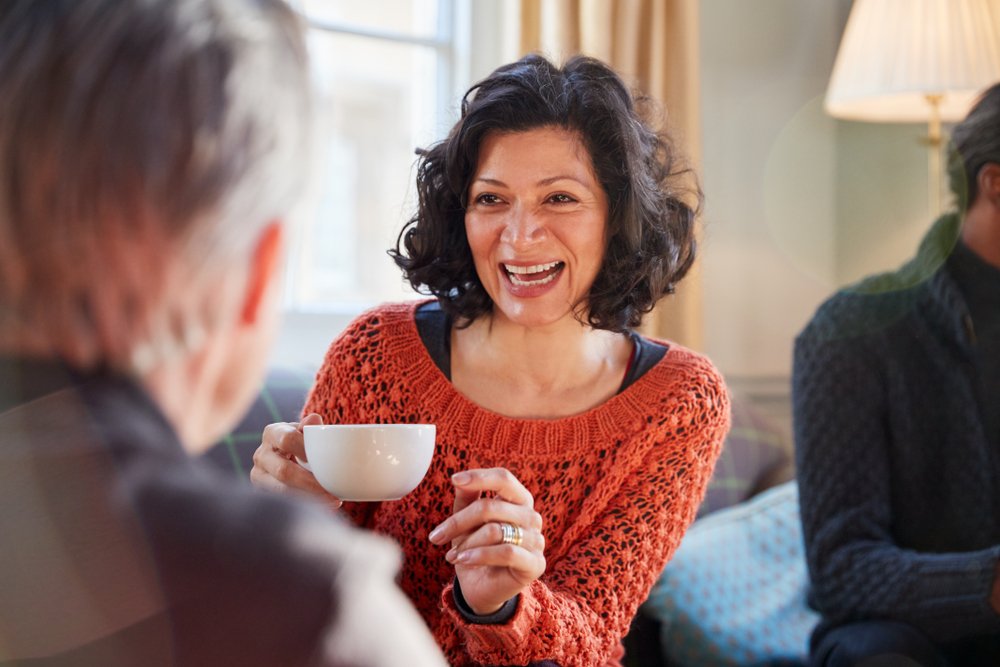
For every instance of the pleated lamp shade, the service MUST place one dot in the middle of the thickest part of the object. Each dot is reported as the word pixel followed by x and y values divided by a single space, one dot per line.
pixel 894 53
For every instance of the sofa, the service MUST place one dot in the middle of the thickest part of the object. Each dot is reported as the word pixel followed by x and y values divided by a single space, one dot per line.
pixel 734 593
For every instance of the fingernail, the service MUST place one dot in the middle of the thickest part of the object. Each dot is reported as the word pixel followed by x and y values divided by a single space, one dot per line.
pixel 461 478
pixel 462 557
pixel 450 556
pixel 435 535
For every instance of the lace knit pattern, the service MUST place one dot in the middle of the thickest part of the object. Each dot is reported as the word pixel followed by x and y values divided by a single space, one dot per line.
pixel 617 487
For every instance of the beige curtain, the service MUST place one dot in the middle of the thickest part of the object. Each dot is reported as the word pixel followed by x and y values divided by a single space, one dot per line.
pixel 654 45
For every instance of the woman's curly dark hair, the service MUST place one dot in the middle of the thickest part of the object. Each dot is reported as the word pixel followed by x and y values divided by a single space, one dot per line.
pixel 650 239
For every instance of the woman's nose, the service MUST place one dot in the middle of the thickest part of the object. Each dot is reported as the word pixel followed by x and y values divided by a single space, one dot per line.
pixel 522 226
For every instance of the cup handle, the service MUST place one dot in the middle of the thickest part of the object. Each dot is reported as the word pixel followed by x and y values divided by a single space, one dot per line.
pixel 304 464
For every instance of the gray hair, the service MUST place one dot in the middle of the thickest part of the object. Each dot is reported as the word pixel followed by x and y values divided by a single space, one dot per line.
pixel 974 143
pixel 143 145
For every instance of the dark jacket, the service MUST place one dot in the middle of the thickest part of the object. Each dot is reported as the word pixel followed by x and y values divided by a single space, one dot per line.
pixel 116 548
pixel 899 485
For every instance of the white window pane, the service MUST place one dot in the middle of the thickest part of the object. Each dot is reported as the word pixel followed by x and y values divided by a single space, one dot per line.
pixel 415 18
pixel 378 103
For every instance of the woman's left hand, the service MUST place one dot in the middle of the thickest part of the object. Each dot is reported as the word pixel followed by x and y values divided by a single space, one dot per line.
pixel 489 570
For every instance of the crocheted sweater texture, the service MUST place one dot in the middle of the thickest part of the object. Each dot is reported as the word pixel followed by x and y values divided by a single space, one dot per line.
pixel 899 484
pixel 617 486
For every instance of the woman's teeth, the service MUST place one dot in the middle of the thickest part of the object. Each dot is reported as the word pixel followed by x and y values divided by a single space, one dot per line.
pixel 537 268
pixel 533 276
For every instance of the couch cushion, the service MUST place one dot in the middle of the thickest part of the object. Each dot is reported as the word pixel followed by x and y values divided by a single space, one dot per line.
pixel 734 593
pixel 754 456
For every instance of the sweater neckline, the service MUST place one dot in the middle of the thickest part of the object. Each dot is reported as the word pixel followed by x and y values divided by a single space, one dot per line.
pixel 634 403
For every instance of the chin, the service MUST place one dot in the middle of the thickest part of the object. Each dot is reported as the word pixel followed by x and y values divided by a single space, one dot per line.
pixel 534 313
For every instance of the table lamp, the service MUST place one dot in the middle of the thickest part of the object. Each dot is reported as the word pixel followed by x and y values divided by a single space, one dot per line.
pixel 911 61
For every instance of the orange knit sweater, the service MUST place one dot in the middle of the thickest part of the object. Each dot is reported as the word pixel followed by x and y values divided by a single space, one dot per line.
pixel 617 487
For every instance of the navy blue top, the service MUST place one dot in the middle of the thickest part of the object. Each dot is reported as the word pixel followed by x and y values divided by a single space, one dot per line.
pixel 979 283
pixel 434 326
pixel 899 479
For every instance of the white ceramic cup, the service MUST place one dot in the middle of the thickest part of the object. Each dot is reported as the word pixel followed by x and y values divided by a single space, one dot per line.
pixel 369 462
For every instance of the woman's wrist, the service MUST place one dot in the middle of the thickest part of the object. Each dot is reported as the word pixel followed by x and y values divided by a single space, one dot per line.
pixel 498 617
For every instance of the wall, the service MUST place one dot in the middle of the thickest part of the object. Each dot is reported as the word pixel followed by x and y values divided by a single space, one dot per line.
pixel 882 200
pixel 769 168
pixel 797 203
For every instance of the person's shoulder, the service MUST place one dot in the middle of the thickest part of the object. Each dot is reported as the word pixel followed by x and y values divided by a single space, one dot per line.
pixel 393 320
pixel 244 563
pixel 685 372
pixel 876 304
pixel 868 308
pixel 187 501
pixel 209 529
pixel 681 363
pixel 386 313
pixel 685 401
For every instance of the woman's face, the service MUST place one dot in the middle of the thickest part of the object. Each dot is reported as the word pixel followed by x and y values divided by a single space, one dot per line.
pixel 536 220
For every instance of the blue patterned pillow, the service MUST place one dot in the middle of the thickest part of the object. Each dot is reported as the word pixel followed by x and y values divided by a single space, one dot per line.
pixel 734 593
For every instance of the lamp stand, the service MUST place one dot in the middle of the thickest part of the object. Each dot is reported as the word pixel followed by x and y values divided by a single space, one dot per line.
pixel 934 141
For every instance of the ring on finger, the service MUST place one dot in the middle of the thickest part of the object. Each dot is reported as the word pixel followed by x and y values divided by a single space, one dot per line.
pixel 511 534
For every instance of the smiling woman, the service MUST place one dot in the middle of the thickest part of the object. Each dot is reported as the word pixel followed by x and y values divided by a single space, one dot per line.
pixel 649 236
pixel 571 452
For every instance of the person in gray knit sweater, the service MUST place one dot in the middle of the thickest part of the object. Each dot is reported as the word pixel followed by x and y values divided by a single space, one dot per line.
pixel 896 394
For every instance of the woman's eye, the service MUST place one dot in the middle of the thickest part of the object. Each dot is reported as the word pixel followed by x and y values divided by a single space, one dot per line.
pixel 487 199
pixel 561 199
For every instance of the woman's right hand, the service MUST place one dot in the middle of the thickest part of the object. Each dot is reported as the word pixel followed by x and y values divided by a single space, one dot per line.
pixel 274 463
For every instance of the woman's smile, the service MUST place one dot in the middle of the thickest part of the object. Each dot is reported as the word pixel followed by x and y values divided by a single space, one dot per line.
pixel 536 224
pixel 531 277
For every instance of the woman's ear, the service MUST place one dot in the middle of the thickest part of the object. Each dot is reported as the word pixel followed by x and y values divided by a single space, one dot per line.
pixel 264 269
pixel 989 183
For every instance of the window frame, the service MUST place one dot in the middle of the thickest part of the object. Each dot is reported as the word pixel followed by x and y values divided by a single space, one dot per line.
pixel 307 330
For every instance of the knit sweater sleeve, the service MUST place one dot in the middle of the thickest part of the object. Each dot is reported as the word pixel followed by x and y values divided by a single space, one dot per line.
pixel 577 613
pixel 842 449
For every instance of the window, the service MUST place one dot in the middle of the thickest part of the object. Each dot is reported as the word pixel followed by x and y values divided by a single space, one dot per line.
pixel 389 75
pixel 384 72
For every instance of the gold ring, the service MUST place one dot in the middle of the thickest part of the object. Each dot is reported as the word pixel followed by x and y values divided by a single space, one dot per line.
pixel 511 534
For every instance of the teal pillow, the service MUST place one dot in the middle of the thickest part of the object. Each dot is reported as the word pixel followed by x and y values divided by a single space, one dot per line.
pixel 735 591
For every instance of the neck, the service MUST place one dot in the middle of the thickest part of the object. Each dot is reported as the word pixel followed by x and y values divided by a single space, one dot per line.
pixel 180 389
pixel 981 231
pixel 561 355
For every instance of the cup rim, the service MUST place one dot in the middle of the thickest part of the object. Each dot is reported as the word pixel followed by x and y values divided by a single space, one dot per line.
pixel 365 426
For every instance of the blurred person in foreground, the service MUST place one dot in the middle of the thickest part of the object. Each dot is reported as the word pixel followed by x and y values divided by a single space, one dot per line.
pixel 572 452
pixel 897 426
pixel 149 150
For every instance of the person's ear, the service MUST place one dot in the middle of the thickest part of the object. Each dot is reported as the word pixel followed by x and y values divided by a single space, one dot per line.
pixel 989 182
pixel 265 265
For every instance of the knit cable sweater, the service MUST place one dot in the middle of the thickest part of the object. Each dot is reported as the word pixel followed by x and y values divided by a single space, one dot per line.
pixel 617 487
pixel 899 485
